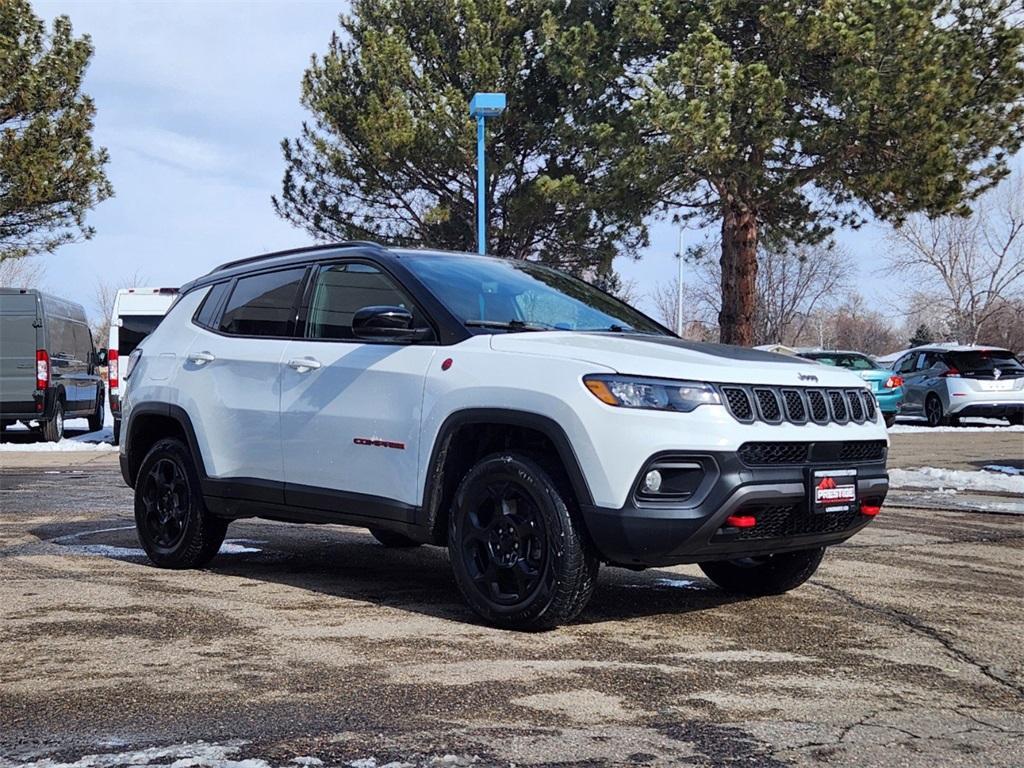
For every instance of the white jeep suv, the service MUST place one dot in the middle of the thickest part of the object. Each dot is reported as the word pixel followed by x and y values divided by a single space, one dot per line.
pixel 533 424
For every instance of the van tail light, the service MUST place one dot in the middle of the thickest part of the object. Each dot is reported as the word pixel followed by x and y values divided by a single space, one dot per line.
pixel 112 379
pixel 893 382
pixel 42 369
pixel 952 373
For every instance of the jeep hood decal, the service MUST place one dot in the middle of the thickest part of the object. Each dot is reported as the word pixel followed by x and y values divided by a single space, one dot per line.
pixel 666 357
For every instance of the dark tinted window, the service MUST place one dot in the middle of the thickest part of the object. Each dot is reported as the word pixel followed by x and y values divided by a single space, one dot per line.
pixel 263 305
pixel 985 361
pixel 343 289
pixel 206 315
pixel 855 362
pixel 133 329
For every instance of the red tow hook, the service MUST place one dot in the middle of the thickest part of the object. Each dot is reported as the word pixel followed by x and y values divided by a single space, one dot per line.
pixel 741 521
pixel 870 509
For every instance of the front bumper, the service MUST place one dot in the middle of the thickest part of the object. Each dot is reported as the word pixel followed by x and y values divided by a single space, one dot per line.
pixel 643 534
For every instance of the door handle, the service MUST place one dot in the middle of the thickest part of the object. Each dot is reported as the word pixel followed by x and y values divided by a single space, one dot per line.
pixel 304 364
pixel 201 358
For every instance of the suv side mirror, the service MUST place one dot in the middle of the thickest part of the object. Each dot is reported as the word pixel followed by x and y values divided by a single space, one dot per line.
pixel 387 323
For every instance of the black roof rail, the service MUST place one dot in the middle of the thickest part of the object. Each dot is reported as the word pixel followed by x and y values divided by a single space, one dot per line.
pixel 292 251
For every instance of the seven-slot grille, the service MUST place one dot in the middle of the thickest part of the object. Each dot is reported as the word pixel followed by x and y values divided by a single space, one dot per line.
pixel 798 405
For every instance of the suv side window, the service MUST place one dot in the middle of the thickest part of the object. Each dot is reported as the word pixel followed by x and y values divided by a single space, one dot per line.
pixel 340 290
pixel 906 364
pixel 206 315
pixel 264 304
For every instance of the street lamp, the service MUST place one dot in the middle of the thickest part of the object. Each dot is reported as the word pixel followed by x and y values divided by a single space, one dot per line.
pixel 482 106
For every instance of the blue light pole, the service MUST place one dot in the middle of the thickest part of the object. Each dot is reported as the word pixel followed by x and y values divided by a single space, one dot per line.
pixel 482 106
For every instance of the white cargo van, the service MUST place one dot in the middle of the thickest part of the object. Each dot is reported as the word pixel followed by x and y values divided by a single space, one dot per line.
pixel 137 311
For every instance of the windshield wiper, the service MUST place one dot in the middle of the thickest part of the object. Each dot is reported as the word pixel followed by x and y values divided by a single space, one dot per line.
pixel 511 325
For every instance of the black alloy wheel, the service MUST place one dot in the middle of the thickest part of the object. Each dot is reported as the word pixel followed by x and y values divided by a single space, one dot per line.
pixel 517 551
pixel 174 526
pixel 165 497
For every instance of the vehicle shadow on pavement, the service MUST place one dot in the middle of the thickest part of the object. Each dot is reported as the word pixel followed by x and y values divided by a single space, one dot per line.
pixel 349 565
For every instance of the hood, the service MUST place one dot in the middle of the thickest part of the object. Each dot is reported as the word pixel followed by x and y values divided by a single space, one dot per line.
pixel 671 358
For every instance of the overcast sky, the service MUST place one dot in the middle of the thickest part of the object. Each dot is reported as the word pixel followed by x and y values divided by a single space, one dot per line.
pixel 192 102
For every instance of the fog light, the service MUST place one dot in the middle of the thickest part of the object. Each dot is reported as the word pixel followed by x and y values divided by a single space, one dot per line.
pixel 652 481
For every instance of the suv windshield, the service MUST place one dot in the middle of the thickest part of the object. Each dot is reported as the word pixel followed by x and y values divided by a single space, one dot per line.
pixel 502 294
pixel 854 362
pixel 985 361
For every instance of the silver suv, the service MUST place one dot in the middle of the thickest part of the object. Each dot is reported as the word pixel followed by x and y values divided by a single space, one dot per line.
pixel 944 383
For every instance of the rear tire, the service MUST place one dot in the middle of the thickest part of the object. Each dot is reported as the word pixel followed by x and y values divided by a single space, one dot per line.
pixel 174 526
pixel 117 432
pixel 518 553
pixel 933 411
pixel 1016 419
pixel 890 419
pixel 96 420
pixel 53 429
pixel 769 575
pixel 393 540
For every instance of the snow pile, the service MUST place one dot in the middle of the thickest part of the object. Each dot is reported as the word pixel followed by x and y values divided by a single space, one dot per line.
pixel 934 478
pixel 18 437
pixel 968 425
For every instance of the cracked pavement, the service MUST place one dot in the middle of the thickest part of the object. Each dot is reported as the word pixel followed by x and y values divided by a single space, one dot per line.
pixel 903 650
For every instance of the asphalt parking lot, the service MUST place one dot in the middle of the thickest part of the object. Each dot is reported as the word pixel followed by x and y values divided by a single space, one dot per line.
pixel 307 643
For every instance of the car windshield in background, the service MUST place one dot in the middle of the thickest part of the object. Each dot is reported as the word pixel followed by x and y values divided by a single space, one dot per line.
pixel 986 361
pixel 502 294
pixel 853 362
pixel 134 328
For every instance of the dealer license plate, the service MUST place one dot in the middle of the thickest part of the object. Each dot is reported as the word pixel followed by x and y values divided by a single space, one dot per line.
pixel 833 490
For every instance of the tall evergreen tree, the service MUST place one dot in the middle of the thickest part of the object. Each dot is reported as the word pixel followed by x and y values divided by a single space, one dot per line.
pixel 390 151
pixel 51 175
pixel 794 117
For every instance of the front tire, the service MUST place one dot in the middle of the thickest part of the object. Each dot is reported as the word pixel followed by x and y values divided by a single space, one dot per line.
pixel 393 540
pixel 173 524
pixel 890 419
pixel 96 420
pixel 760 576
pixel 518 553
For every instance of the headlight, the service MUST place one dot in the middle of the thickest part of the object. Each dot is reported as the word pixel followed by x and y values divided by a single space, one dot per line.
pixel 652 394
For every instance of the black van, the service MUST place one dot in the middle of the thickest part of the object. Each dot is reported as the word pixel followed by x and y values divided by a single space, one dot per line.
pixel 48 365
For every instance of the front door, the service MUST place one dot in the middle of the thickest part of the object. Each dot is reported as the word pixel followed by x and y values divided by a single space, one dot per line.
pixel 351 409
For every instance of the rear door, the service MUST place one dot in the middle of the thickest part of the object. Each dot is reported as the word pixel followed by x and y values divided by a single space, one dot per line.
pixel 351 409
pixel 912 369
pixel 19 332
pixel 231 380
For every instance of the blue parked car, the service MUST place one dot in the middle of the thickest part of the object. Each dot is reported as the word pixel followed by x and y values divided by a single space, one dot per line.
pixel 887 386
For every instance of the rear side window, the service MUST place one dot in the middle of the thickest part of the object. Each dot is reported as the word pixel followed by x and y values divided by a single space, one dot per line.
pixel 263 305
pixel 206 315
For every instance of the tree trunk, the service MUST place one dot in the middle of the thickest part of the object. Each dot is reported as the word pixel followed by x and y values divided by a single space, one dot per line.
pixel 739 275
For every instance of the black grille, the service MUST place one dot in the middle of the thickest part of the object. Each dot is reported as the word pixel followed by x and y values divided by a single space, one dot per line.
pixel 838 405
pixel 819 409
pixel 856 405
pixel 775 521
pixel 739 403
pixel 761 454
pixel 863 450
pixel 795 409
pixel 869 405
pixel 768 405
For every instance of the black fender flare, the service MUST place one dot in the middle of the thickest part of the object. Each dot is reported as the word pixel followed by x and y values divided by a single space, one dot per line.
pixel 165 410
pixel 547 426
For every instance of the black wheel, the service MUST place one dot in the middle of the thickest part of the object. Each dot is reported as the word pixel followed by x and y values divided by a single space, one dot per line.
pixel 173 524
pixel 117 432
pixel 518 553
pixel 890 419
pixel 96 420
pixel 933 411
pixel 392 539
pixel 53 430
pixel 767 575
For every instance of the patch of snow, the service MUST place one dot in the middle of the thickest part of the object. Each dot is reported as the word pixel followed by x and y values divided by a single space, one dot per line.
pixel 968 425
pixel 309 762
pixel 176 756
pixel 94 441
pixel 934 478
pixel 667 584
